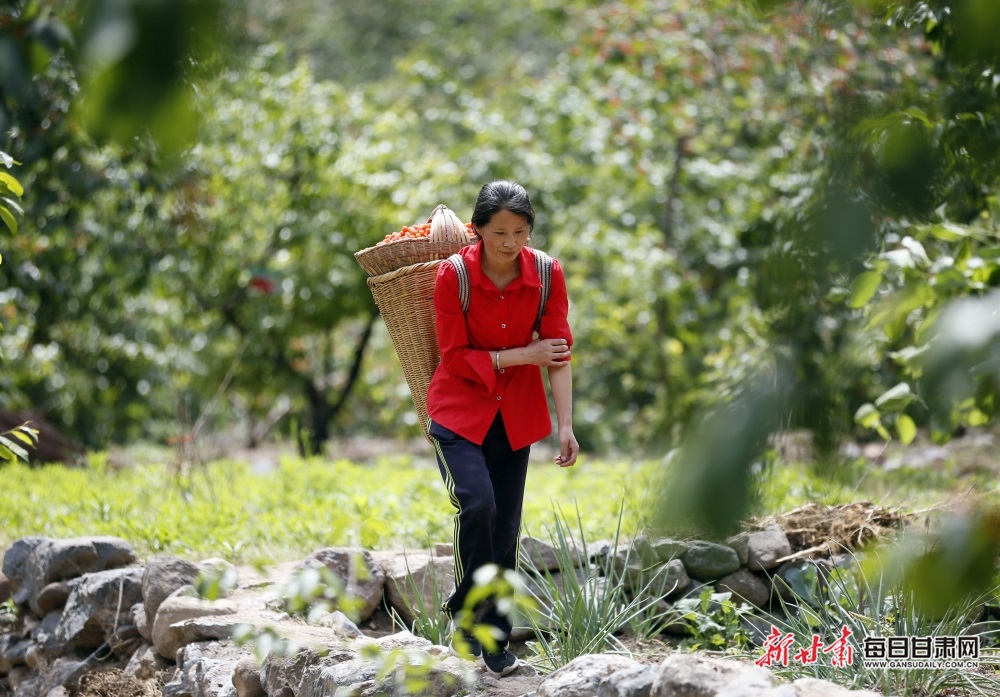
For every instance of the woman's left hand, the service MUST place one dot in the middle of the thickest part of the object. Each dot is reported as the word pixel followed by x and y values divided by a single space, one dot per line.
pixel 568 448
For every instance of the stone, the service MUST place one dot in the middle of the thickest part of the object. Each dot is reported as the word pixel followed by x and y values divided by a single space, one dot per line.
pixel 665 580
pixel 741 543
pixel 707 561
pixel 138 616
pixel 417 583
pixel 795 579
pixel 169 632
pixel 363 577
pixel 599 551
pixel 339 622
pixel 98 604
pixel 52 597
pixel 745 586
pixel 766 548
pixel 7 588
pixel 694 675
pixel 163 576
pixel 583 675
pixel 660 550
pixel 630 682
pixel 205 669
pixel 49 561
pixel 146 664
pixel 246 678
pixel 444 549
pixel 542 556
pixel 16 555
pixel 45 643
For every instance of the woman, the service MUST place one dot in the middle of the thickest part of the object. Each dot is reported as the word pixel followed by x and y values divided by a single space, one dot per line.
pixel 486 401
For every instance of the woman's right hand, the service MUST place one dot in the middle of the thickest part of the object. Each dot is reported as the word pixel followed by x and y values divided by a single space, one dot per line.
pixel 548 352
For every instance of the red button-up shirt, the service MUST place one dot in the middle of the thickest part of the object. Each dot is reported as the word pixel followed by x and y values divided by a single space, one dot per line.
pixel 467 390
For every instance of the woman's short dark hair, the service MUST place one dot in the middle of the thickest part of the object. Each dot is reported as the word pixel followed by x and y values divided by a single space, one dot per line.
pixel 499 195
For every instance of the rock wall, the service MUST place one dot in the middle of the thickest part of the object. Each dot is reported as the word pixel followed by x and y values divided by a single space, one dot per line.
pixel 91 614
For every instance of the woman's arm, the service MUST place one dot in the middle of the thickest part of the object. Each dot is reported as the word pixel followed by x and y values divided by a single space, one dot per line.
pixel 561 382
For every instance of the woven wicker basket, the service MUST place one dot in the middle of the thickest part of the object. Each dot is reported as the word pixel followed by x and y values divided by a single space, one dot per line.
pixel 405 297
pixel 387 257
pixel 448 235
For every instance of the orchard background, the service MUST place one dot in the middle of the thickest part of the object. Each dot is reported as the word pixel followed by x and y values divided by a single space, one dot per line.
pixel 774 217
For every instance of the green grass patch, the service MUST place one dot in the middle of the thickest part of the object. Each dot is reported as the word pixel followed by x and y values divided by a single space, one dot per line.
pixel 226 509
pixel 787 485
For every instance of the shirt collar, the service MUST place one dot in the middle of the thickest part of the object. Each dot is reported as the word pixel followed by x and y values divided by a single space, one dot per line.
pixel 474 262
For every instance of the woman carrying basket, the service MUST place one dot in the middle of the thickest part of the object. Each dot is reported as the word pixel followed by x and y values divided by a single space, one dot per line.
pixel 486 401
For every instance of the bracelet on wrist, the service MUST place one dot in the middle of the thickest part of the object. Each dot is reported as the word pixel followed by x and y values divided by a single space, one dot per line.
pixel 498 360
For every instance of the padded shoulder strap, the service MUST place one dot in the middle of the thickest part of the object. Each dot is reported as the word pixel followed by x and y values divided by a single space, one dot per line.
pixel 458 261
pixel 543 265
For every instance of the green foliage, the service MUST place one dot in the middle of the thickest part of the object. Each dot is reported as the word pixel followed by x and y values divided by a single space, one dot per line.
pixel 714 621
pixel 11 192
pixel 216 580
pixel 581 611
pixel 868 603
pixel 430 621
pixel 409 671
pixel 13 444
pixel 9 610
pixel 225 509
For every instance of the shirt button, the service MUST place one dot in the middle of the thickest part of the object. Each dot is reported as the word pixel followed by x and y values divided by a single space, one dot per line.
pixel 501 297
pixel 498 399
pixel 501 370
pixel 503 326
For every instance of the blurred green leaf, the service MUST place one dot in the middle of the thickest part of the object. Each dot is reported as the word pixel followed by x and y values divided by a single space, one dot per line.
pixel 868 416
pixel 895 398
pixel 906 428
pixel 864 288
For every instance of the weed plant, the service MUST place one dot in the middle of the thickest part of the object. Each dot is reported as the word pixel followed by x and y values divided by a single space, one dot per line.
pixel 581 610
pixel 714 621
pixel 869 605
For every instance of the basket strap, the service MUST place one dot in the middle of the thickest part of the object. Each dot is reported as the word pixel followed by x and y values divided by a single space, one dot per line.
pixel 543 265
pixel 464 286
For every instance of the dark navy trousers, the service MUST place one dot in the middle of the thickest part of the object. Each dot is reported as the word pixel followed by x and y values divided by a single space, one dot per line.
pixel 486 485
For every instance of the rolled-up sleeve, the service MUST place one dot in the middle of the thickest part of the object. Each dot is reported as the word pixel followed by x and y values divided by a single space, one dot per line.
pixel 457 353
pixel 555 320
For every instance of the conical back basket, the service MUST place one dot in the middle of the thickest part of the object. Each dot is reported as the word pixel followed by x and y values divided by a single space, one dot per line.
pixel 405 297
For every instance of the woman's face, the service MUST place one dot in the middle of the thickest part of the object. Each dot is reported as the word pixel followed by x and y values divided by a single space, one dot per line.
pixel 504 236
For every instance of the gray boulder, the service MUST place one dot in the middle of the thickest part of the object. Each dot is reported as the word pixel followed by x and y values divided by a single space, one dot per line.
pixel 363 577
pixel 694 675
pixel 34 563
pixel 766 548
pixel 163 576
pixel 98 605
pixel 582 677
pixel 707 561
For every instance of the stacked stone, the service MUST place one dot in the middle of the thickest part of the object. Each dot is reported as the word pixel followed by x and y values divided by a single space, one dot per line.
pixel 88 607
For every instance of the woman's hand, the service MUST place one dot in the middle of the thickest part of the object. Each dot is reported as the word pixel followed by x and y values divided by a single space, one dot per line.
pixel 547 352
pixel 568 447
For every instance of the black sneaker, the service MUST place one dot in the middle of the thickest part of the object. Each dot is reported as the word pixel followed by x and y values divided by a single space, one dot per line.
pixel 466 645
pixel 501 662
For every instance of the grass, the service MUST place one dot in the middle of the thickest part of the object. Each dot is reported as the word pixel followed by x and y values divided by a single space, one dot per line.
pixel 581 613
pixel 862 601
pixel 226 509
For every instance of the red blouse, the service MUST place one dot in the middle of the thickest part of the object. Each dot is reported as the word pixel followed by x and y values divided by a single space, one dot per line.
pixel 467 390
